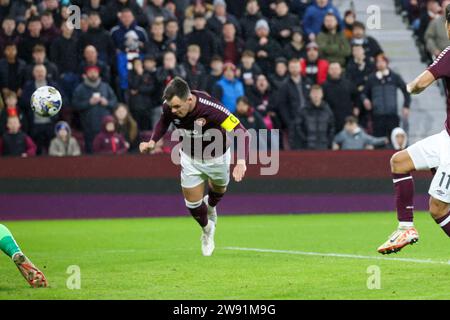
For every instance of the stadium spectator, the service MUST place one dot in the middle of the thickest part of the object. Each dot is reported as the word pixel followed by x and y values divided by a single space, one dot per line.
pixel 436 37
pixel 291 98
pixel 23 8
pixel 229 88
pixel 11 108
pixel 63 144
pixel 248 70
pixel 353 137
pixel 53 7
pixel 371 46
pixel 127 26
pixel 12 71
pixel 359 67
pixel 230 46
pixel 30 39
pixel 108 141
pixel 296 48
pixel 262 98
pixel 265 47
pixel 169 69
pixel 93 99
pixel 93 6
pixel 220 17
pixel 380 97
pixel 40 57
pixel 98 37
pixel 283 23
pixel 21 28
pixel 341 95
pixel 175 38
pixel 349 22
pixel 113 11
pixel 126 126
pixel 41 128
pixel 155 10
pixel 251 17
pixel 64 53
pixel 204 38
pixel 250 119
pixel 195 71
pixel 215 74
pixel 49 30
pixel 90 56
pixel 158 43
pixel 142 91
pixel 16 143
pixel 198 7
pixel 314 127
pixel 333 45
pixel 432 12
pixel 313 68
pixel 280 76
pixel 315 15
pixel 399 139
pixel 8 34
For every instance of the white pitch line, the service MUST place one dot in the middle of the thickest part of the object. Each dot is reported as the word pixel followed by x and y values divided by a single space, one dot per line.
pixel 339 255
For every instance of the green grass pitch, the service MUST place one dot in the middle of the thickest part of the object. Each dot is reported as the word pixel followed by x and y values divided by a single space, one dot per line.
pixel 161 259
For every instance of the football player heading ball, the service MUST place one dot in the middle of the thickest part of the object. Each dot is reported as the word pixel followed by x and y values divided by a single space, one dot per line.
pixel 196 114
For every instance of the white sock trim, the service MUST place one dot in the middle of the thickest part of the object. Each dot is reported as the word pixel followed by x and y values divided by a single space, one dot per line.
pixel 402 179
pixel 193 205
pixel 445 222
pixel 405 224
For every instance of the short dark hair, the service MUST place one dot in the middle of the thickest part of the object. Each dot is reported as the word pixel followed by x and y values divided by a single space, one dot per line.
pixel 447 13
pixel 244 100
pixel 359 24
pixel 177 88
pixel 351 120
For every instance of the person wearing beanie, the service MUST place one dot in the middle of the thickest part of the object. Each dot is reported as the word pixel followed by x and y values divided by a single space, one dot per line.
pixel 108 141
pixel 64 144
pixel 93 99
pixel 265 47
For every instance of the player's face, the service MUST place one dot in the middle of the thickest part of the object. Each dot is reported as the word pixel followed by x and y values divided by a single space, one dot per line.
pixel 179 107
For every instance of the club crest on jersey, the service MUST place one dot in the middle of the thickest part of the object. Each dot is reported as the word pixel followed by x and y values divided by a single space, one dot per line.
pixel 200 122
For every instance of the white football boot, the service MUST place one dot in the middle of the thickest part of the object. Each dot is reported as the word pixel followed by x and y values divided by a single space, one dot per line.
pixel 212 212
pixel 208 239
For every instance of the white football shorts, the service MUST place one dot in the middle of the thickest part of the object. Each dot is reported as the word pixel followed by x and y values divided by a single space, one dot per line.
pixel 434 152
pixel 195 172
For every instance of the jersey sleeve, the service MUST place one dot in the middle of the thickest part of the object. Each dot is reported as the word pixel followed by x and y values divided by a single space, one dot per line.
pixel 223 117
pixel 441 66
pixel 163 125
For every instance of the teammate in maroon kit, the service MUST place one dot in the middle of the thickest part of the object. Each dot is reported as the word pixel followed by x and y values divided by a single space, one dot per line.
pixel 430 153
pixel 205 155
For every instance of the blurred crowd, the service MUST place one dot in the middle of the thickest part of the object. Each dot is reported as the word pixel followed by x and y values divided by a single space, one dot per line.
pixel 300 66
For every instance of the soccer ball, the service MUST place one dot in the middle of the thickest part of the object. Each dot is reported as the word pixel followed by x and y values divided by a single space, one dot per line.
pixel 46 101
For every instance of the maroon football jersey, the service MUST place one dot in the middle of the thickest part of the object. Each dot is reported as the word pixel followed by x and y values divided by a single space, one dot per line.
pixel 193 128
pixel 441 70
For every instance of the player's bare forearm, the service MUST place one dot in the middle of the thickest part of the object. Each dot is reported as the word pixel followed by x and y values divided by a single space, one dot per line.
pixel 421 83
pixel 239 170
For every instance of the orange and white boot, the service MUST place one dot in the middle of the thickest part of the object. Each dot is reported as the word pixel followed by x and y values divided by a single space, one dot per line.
pixel 399 239
pixel 33 275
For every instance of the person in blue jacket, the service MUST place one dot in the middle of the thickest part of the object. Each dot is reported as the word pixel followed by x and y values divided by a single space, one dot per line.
pixel 229 88
pixel 315 14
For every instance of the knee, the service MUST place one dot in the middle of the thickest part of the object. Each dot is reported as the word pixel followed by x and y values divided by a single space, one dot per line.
pixel 438 209
pixel 400 164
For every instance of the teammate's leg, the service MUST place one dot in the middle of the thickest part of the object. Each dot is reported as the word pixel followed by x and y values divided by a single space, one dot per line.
pixel 440 212
pixel 199 211
pixel 401 167
pixel 29 271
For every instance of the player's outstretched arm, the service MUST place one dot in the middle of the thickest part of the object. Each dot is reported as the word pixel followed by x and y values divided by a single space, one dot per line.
pixel 242 155
pixel 160 130
pixel 421 83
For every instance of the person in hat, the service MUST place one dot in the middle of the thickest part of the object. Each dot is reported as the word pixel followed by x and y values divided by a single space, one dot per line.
pixel 229 88
pixel 108 141
pixel 314 69
pixel 93 99
pixel 264 46
pixel 64 144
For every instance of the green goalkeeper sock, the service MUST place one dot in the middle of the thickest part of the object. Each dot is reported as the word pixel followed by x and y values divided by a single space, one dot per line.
pixel 7 243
